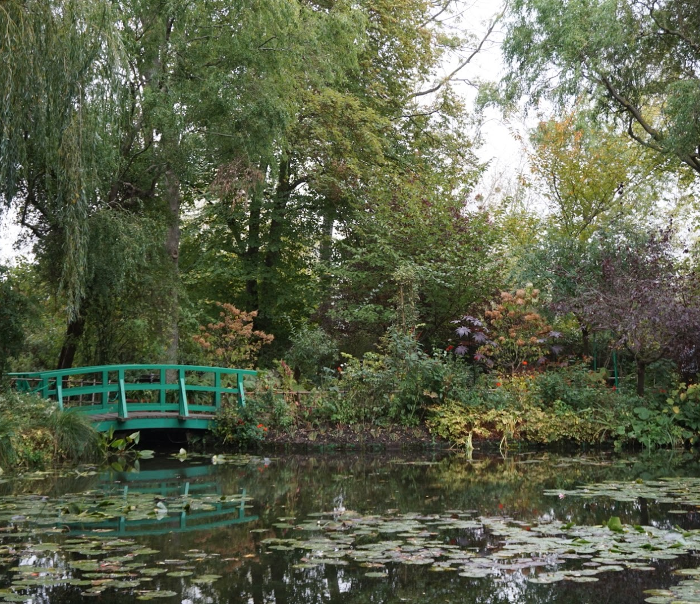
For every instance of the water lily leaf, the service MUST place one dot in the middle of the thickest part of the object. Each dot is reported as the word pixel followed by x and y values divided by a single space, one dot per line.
pixel 151 595
pixel 151 572
pixel 205 579
pixel 180 573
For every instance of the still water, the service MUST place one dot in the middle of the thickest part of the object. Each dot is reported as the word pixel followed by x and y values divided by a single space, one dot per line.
pixel 384 528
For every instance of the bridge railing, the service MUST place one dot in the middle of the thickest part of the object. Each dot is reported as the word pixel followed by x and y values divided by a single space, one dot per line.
pixel 185 389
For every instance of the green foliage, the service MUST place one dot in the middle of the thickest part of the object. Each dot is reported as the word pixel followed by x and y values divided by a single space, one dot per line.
pixel 683 404
pixel 413 263
pixel 75 438
pixel 35 433
pixel 59 121
pixel 312 350
pixel 13 314
pixel 577 386
pixel 650 425
pixel 528 406
pixel 592 177
pixel 127 306
pixel 602 51
pixel 121 451
pixel 242 426
pixel 459 423
pixel 395 385
pixel 566 404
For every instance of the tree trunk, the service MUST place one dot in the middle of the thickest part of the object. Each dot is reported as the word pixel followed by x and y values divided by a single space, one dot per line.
pixel 585 341
pixel 268 281
pixel 74 331
pixel 172 246
pixel 641 373
pixel 251 258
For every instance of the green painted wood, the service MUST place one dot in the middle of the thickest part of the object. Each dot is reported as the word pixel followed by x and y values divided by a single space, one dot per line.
pixel 104 394
pixel 184 412
pixel 59 392
pixel 163 382
pixel 123 411
pixel 241 390
pixel 120 391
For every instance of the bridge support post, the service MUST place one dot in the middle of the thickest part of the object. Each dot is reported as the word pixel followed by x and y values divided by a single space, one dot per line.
pixel 241 390
pixel 59 392
pixel 122 412
pixel 217 390
pixel 105 389
pixel 183 410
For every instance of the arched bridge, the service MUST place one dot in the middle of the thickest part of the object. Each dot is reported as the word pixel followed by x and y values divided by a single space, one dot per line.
pixel 134 397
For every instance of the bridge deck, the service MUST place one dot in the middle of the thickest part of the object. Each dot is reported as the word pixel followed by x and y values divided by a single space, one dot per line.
pixel 181 396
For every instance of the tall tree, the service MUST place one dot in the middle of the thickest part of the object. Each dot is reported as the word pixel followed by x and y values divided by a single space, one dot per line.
pixel 215 92
pixel 636 290
pixel 591 177
pixel 635 60
pixel 59 124
pixel 355 132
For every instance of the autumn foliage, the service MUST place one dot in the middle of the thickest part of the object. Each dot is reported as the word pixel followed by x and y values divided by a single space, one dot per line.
pixel 519 338
pixel 232 342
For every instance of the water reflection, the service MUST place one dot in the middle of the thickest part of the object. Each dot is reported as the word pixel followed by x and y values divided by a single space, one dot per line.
pixel 220 520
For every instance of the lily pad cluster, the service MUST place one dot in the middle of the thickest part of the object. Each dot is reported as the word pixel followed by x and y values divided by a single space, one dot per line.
pixel 236 459
pixel 477 547
pixel 86 540
pixel 686 592
pixel 94 565
pixel 681 491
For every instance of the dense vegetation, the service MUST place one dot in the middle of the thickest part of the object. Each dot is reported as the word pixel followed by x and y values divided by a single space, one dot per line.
pixel 291 185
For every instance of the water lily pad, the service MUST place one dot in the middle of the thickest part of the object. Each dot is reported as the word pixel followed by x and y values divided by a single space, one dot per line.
pixel 206 579
pixel 151 595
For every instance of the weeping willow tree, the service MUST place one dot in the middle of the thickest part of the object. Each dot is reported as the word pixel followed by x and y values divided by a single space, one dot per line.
pixel 59 112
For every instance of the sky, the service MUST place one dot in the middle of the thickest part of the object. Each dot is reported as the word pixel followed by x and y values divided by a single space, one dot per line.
pixel 500 148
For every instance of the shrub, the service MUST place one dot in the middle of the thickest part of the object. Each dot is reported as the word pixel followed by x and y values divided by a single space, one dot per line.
pixel 458 422
pixel 232 342
pixel 516 337
pixel 395 385
pixel 242 426
pixel 312 349
pixel 35 433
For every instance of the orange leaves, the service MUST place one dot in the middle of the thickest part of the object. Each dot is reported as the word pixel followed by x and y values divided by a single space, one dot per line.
pixel 232 342
pixel 519 334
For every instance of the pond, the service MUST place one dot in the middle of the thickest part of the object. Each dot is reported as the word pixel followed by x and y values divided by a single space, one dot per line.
pixel 385 528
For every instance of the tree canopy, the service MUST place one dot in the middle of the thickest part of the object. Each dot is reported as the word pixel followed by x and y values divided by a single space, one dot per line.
pixel 635 62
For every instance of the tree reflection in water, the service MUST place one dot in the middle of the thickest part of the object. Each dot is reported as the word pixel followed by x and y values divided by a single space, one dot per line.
pixel 355 499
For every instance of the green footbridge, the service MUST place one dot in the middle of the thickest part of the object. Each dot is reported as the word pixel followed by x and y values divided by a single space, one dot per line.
pixel 137 397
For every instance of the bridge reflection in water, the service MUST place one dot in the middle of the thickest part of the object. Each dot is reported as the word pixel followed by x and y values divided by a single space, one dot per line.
pixel 166 486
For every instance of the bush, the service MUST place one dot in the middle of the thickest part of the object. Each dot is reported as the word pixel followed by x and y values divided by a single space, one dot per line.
pixel 567 403
pixel 35 433
pixel 397 384
pixel 516 336
pixel 232 342
pixel 242 426
pixel 312 349
pixel 458 423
